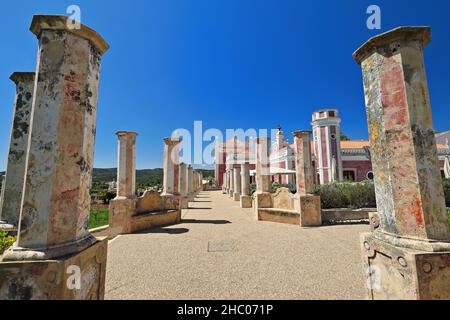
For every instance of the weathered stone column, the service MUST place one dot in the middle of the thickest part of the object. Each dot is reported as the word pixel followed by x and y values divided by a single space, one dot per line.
pixel 303 162
pixel 246 199
pixel 18 145
pixel 126 169
pixel 231 191
pixel 171 166
pixel 263 178
pixel 2 194
pixel 123 207
pixel 184 186
pixel 53 229
pixel 224 185
pixel 237 184
pixel 308 204
pixel 191 190
pixel 408 255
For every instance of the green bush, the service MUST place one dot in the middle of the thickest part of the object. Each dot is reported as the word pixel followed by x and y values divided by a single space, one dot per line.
pixel 447 191
pixel 347 195
pixel 5 241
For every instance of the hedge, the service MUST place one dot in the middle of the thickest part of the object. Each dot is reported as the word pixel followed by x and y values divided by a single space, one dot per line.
pixel 353 195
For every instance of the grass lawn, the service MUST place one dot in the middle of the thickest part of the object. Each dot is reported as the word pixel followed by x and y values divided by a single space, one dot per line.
pixel 98 218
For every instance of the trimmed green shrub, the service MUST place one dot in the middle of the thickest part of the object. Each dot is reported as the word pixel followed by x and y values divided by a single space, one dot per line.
pixel 353 195
pixel 5 241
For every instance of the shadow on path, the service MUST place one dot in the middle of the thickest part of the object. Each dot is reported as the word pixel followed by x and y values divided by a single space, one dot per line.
pixel 164 230
pixel 205 221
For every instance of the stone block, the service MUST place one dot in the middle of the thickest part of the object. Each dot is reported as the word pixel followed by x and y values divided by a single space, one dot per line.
pixel 246 201
pixel 49 279
pixel 398 273
pixel 310 211
pixel 184 202
pixel 279 215
pixel 236 196
pixel 120 213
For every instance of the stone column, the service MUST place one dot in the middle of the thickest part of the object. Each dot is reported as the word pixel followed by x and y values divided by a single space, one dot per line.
pixel 237 184
pixel 171 166
pixel 53 229
pixel 408 254
pixel 184 186
pixel 303 162
pixel 224 185
pixel 231 191
pixel 263 179
pixel 191 190
pixel 308 205
pixel 123 207
pixel 263 198
pixel 2 196
pixel 245 198
pixel 18 144
pixel 126 169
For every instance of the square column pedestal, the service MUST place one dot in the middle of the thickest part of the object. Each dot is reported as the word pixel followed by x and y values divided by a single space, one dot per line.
pixel 246 201
pixel 310 210
pixel 407 256
pixel 80 276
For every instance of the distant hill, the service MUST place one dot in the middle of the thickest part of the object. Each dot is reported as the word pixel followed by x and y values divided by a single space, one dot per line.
pixel 143 177
pixel 146 176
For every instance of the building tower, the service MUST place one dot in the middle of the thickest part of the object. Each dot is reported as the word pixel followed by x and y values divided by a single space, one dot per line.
pixel 327 145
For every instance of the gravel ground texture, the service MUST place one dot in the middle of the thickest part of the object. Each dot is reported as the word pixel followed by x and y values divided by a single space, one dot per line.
pixel 220 251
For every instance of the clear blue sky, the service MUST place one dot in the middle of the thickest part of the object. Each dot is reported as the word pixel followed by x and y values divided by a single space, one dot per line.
pixel 230 63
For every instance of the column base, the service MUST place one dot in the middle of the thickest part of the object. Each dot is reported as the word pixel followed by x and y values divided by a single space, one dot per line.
pixel 184 202
pixel 34 254
pixel 246 201
pixel 230 193
pixel 310 211
pixel 399 273
pixel 262 200
pixel 120 212
pixel 237 196
pixel 57 279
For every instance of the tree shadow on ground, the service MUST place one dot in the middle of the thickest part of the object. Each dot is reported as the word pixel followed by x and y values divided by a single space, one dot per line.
pixel 205 221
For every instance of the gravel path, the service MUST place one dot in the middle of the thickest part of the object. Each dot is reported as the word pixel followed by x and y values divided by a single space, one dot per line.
pixel 220 252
